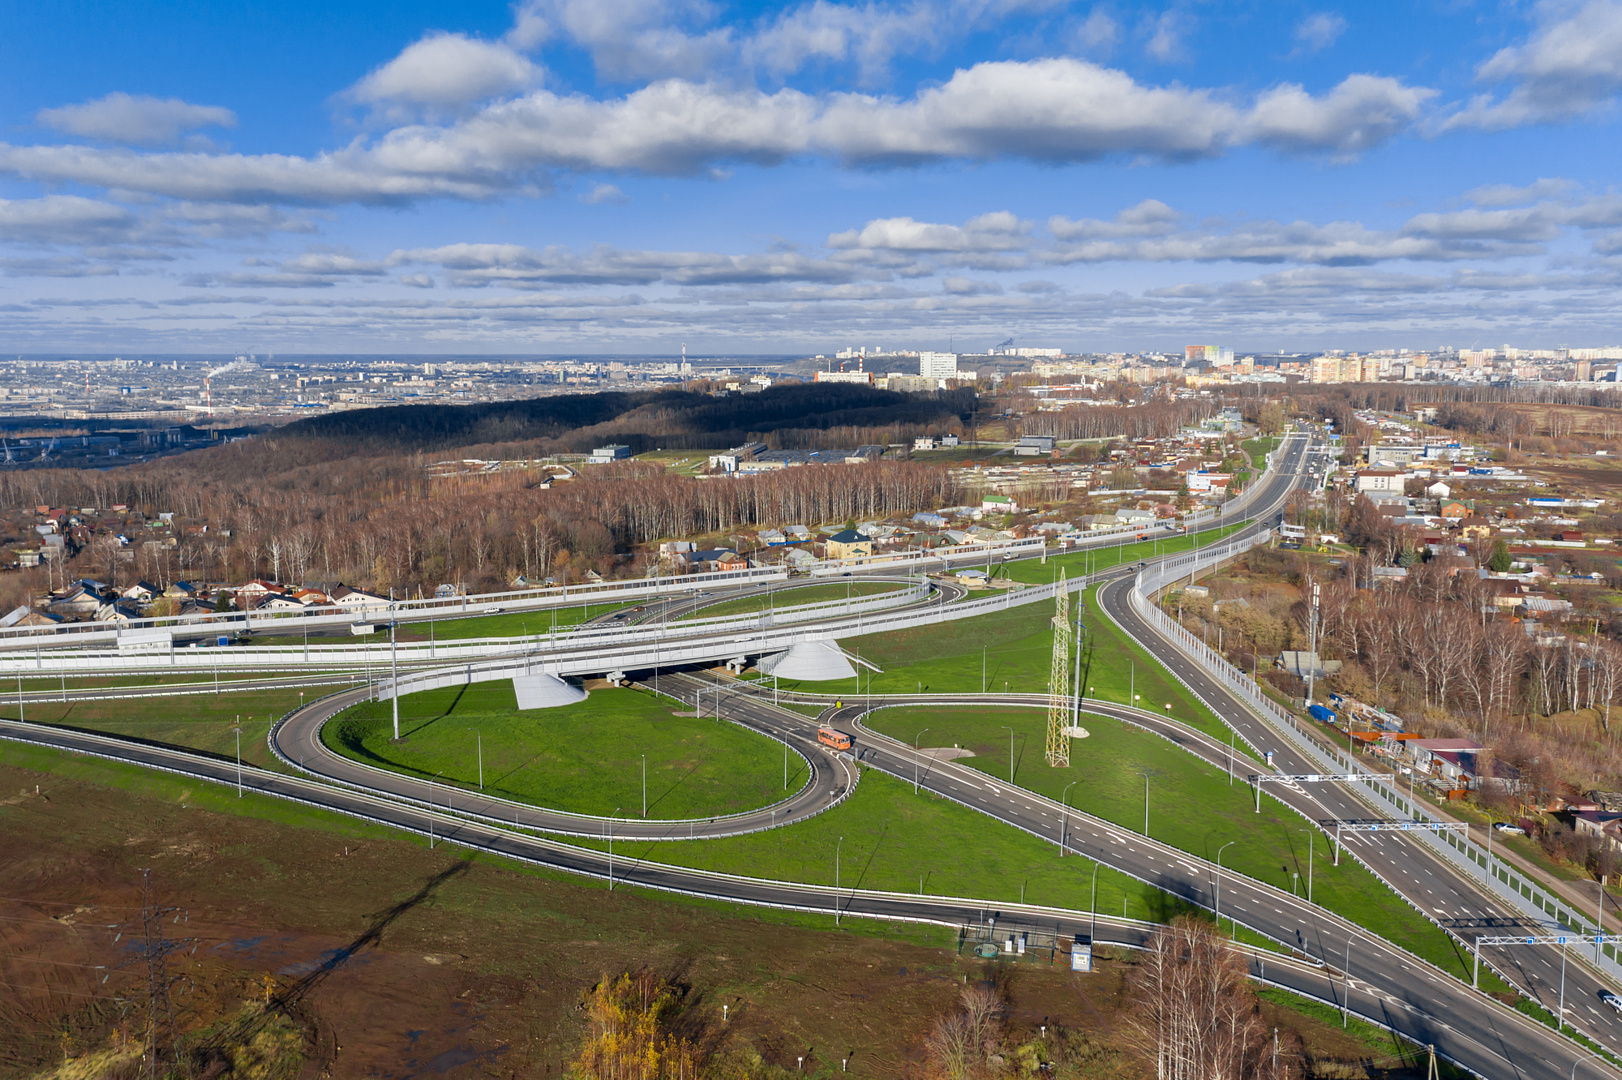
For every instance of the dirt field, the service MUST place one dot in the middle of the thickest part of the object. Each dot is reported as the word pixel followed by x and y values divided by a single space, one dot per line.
pixel 395 961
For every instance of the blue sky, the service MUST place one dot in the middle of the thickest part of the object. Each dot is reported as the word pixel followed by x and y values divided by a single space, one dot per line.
pixel 628 175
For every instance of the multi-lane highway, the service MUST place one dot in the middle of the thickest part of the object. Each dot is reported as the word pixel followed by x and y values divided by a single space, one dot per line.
pixel 1383 983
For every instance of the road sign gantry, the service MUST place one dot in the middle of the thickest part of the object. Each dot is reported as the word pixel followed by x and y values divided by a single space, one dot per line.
pixel 1258 779
pixel 1395 826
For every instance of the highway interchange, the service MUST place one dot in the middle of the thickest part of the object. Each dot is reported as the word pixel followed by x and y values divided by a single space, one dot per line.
pixel 1336 961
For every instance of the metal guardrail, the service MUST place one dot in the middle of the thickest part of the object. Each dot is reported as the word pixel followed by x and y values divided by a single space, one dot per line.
pixel 458 650
pixel 1498 879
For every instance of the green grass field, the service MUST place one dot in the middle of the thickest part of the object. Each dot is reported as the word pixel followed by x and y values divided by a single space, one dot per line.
pixel 1192 806
pixel 584 758
pixel 1258 449
pixel 795 596
pixel 888 838
pixel 507 624
pixel 1017 647
pixel 191 721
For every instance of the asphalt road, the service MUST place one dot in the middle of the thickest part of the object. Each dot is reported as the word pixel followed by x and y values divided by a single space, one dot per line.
pixel 1433 887
pixel 296 739
pixel 1385 984
pixel 1488 1048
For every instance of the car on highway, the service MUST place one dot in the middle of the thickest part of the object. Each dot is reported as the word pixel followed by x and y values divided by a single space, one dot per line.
pixel 1611 999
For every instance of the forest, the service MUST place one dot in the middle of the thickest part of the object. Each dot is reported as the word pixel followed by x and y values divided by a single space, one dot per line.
pixel 789 416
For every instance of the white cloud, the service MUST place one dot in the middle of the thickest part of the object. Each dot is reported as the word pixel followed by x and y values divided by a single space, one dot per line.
pixel 631 39
pixel 126 118
pixel 1151 217
pixel 1166 33
pixel 1571 64
pixel 1318 31
pixel 447 71
pixel 1510 195
pixel 516 265
pixel 1000 231
pixel 604 193
pixel 66 219
pixel 1361 112
pixel 1097 33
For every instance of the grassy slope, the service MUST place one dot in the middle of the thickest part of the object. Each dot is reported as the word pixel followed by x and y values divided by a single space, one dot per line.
pixel 1192 806
pixel 194 721
pixel 585 758
pixel 895 840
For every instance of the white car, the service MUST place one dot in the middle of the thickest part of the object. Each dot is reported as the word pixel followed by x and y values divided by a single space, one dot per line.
pixel 1611 999
pixel 1506 827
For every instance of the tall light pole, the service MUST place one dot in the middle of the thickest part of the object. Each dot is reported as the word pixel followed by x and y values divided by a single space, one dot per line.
pixel 1220 850
pixel 394 689
pixel 478 741
pixel 1145 802
pixel 644 785
pixel 983 668
pixel 611 818
pixel 238 730
pixel 1010 752
pixel 915 739
pixel 1064 820
pixel 1092 930
pixel 837 848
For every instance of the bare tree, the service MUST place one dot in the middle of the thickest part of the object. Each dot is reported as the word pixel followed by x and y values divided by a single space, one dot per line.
pixel 1197 1015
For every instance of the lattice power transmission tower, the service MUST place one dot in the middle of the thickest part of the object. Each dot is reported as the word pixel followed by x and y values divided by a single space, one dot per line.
pixel 1059 681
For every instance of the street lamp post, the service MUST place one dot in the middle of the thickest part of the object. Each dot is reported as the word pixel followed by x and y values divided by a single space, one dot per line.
pixel 837 848
pixel 1010 752
pixel 239 757
pixel 1064 819
pixel 611 818
pixel 394 687
pixel 644 785
pixel 1092 930
pixel 1220 850
pixel 1145 802
pixel 915 739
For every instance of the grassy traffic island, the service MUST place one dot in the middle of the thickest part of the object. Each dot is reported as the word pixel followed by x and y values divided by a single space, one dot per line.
pixel 585 758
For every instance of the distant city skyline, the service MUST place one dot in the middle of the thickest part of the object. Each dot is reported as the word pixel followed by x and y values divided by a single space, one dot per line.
pixel 624 176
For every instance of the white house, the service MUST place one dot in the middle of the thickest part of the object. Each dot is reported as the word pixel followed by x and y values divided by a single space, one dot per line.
pixel 358 599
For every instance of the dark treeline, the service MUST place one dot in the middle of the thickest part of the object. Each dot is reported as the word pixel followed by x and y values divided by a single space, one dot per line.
pixel 790 416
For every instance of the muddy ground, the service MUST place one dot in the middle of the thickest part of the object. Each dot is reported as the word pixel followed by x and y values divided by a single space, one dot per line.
pixel 396 961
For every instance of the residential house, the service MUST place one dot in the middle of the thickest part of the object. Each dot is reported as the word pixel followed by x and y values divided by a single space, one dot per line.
pixel 119 612
pixel 1390 480
pixel 1449 759
pixel 1605 824
pixel 358 599
pixel 142 592
pixel 1543 607
pixel 1474 527
pixel 849 544
pixel 1456 509
pixel 924 442
pixel 928 520
pixel 254 592
pixel 279 602
pixel 1034 445
pixel 77 602
pixel 180 590
pixel 999 504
